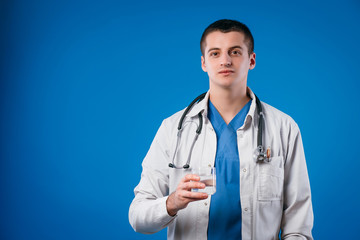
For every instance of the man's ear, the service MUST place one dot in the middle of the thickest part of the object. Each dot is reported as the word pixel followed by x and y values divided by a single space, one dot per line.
pixel 252 61
pixel 203 66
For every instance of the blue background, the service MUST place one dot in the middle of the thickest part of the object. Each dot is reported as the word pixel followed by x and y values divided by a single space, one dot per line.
pixel 85 86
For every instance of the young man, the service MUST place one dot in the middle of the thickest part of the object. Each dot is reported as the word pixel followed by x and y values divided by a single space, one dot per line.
pixel 259 192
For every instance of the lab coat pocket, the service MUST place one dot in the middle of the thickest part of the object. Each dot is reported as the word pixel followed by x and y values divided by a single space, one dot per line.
pixel 271 179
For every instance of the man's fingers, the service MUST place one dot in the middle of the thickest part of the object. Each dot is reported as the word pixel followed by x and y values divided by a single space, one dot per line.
pixel 193 196
pixel 190 185
pixel 183 195
pixel 190 177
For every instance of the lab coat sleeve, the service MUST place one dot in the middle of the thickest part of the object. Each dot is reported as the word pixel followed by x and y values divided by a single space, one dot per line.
pixel 148 213
pixel 297 219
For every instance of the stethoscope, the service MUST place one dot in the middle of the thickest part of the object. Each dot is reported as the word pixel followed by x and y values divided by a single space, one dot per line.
pixel 260 154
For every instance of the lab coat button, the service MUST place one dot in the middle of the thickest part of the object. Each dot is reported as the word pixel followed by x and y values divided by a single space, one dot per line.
pixel 244 170
pixel 205 203
pixel 245 209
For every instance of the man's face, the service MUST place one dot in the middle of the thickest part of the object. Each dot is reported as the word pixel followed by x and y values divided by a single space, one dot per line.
pixel 226 59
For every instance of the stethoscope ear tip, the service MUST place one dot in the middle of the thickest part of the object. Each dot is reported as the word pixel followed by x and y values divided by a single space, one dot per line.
pixel 186 166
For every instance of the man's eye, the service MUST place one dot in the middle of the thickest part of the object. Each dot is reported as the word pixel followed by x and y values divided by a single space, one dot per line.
pixel 236 52
pixel 214 54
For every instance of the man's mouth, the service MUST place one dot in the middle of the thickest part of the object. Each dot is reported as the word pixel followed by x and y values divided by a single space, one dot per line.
pixel 226 72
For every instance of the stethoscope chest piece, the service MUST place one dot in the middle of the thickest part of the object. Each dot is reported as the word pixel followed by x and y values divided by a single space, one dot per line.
pixel 260 155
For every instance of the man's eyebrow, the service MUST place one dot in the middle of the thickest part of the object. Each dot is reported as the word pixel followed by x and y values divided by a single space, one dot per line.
pixel 212 49
pixel 237 46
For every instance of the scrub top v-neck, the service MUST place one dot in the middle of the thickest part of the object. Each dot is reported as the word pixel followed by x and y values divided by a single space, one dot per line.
pixel 225 207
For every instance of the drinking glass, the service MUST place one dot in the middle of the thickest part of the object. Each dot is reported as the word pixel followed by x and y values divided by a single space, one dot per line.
pixel 207 176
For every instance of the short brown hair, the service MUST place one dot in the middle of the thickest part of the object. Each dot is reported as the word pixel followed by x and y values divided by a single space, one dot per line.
pixel 225 26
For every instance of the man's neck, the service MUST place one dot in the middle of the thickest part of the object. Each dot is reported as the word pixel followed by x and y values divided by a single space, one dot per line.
pixel 229 102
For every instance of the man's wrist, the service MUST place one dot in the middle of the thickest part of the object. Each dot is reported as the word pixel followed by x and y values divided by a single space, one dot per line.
pixel 170 205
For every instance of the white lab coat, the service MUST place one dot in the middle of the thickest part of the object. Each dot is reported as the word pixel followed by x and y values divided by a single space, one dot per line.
pixel 274 195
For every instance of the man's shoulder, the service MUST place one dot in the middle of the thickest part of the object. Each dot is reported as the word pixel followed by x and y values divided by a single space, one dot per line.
pixel 278 117
pixel 174 118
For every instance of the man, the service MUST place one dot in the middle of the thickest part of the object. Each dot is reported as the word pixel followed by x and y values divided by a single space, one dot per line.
pixel 255 198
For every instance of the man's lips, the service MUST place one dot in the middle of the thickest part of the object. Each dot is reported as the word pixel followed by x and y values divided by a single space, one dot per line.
pixel 226 71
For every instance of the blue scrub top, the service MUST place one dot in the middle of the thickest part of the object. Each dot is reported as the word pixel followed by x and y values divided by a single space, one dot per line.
pixel 225 207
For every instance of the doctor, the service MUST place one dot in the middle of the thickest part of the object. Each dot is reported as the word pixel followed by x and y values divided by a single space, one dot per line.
pixel 254 199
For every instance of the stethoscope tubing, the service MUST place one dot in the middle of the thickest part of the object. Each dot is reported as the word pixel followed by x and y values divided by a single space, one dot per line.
pixel 260 149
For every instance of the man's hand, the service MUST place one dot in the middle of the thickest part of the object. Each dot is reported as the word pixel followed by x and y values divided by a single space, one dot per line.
pixel 183 195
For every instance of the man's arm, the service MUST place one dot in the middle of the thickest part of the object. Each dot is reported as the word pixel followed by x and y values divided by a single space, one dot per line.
pixel 152 210
pixel 297 219
pixel 147 212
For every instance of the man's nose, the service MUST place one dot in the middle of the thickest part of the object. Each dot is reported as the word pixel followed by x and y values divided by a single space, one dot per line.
pixel 225 60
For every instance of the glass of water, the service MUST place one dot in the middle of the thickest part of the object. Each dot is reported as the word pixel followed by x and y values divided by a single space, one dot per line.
pixel 207 176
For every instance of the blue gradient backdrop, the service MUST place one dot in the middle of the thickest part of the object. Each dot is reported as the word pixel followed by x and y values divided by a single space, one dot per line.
pixel 85 85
